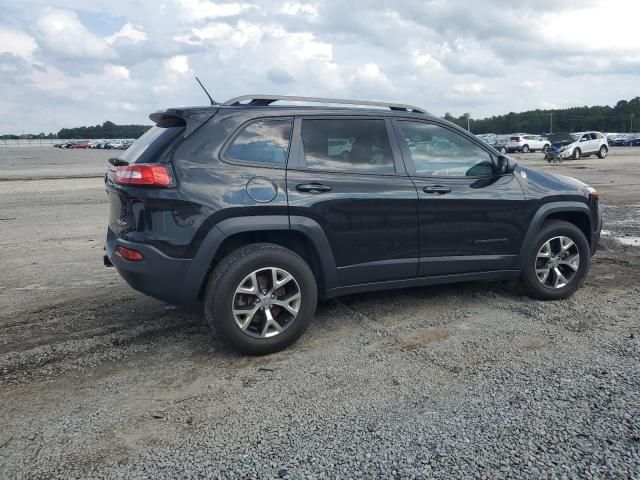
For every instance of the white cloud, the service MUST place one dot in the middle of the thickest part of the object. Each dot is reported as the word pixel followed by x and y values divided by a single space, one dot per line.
pixel 302 9
pixel 16 43
pixel 178 65
pixel 201 9
pixel 117 71
pixel 62 33
pixel 130 32
pixel 613 24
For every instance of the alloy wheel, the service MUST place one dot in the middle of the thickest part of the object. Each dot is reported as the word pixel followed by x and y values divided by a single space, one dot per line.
pixel 557 262
pixel 266 302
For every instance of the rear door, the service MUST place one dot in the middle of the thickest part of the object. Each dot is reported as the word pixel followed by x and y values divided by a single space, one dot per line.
pixel 470 218
pixel 345 174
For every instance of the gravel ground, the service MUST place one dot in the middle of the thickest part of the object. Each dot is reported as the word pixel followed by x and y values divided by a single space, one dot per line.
pixel 460 381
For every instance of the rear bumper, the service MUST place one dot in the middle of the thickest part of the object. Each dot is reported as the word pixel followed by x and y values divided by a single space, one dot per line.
pixel 157 275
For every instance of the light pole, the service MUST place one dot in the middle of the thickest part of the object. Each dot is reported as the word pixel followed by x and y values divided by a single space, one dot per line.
pixel 551 122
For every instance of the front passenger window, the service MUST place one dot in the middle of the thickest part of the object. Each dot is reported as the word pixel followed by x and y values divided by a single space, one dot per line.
pixel 437 151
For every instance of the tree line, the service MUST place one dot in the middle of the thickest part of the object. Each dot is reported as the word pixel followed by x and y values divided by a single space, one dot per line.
pixel 106 130
pixel 623 117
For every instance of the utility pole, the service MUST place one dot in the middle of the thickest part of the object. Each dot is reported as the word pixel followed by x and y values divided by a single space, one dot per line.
pixel 631 126
pixel 468 121
pixel 551 122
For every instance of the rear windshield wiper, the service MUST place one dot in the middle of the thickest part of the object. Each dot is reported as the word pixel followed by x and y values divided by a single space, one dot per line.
pixel 118 162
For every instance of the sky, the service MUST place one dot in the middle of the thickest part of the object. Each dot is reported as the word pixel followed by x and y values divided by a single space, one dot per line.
pixel 81 62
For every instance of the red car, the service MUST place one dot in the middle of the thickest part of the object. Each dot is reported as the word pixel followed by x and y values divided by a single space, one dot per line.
pixel 80 145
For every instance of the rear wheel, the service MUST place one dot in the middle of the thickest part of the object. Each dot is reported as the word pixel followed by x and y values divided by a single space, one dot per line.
pixel 576 154
pixel 603 151
pixel 503 150
pixel 558 262
pixel 260 298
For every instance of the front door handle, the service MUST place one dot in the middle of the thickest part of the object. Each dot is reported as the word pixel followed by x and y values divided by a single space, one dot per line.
pixel 313 187
pixel 439 189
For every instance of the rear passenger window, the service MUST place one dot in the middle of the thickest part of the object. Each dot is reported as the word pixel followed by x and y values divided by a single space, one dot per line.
pixel 263 142
pixel 347 145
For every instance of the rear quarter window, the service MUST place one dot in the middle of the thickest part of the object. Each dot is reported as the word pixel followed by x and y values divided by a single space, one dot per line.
pixel 262 142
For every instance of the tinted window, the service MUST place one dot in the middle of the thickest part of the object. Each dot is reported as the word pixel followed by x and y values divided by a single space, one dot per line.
pixel 594 136
pixel 437 151
pixel 347 145
pixel 263 141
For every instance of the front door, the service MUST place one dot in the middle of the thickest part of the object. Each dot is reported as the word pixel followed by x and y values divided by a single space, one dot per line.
pixel 471 219
pixel 349 179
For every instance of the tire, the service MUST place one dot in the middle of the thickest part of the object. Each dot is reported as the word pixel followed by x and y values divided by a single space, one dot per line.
pixel 545 148
pixel 552 288
pixel 525 149
pixel 576 154
pixel 260 336
pixel 503 150
pixel 603 152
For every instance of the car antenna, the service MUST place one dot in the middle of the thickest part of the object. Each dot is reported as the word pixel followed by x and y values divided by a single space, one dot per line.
pixel 205 91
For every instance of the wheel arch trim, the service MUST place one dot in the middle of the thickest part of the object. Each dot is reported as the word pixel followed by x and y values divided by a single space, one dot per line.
pixel 543 214
pixel 313 232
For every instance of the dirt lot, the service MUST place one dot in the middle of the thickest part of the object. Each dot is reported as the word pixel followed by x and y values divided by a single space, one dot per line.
pixel 473 380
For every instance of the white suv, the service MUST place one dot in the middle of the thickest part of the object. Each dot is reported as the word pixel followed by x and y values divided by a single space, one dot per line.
pixel 580 144
pixel 527 143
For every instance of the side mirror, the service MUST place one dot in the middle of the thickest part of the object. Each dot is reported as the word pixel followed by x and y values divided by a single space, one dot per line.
pixel 506 165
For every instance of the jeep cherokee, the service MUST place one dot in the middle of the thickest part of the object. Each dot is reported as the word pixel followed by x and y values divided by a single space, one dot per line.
pixel 251 208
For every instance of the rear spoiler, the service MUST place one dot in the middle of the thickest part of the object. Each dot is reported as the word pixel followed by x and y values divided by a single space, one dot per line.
pixel 190 118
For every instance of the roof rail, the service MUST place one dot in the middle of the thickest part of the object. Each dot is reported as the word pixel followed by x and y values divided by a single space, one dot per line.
pixel 265 100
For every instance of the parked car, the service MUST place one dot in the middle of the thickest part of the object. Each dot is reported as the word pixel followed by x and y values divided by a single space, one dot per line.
pixel 501 143
pixel 576 145
pixel 622 141
pixel 527 143
pixel 82 145
pixel 247 207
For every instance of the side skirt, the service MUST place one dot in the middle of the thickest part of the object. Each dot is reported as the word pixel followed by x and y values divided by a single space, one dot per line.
pixel 421 281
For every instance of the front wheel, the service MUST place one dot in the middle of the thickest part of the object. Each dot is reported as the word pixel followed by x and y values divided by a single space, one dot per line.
pixel 503 150
pixel 525 149
pixel 260 298
pixel 576 154
pixel 603 152
pixel 558 262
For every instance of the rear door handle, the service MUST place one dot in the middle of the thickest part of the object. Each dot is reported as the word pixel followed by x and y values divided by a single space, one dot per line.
pixel 439 189
pixel 313 187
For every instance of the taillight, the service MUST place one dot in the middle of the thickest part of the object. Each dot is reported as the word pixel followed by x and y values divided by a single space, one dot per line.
pixel 129 253
pixel 143 174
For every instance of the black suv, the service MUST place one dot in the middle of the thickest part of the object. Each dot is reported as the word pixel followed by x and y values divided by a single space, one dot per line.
pixel 259 209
